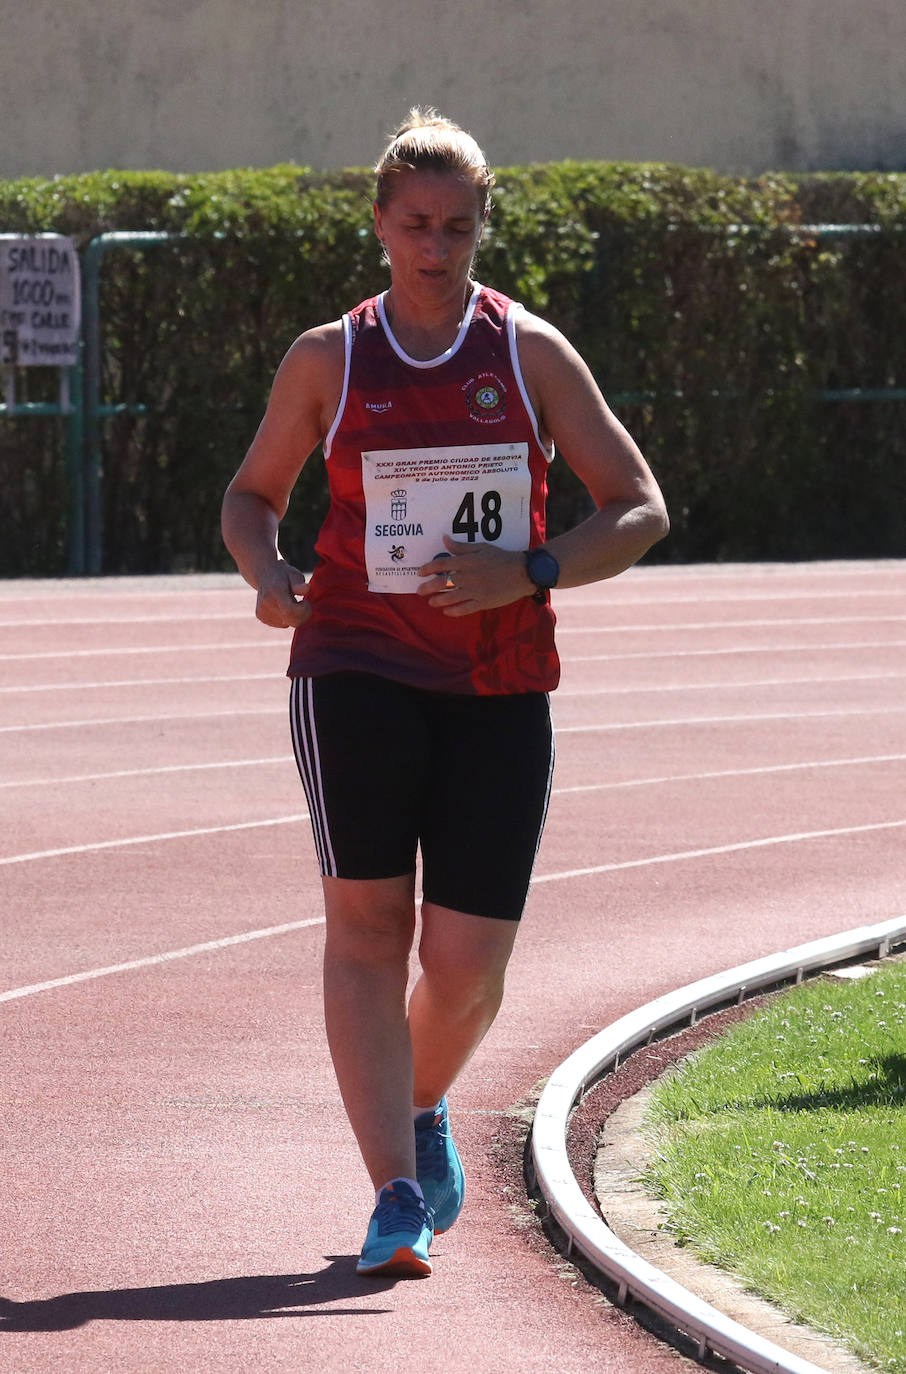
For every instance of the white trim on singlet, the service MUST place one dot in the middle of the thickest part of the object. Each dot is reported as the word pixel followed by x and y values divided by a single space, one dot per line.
pixel 514 309
pixel 441 357
pixel 347 346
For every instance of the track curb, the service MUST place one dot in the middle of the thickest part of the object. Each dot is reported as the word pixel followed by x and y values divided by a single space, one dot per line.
pixel 584 1230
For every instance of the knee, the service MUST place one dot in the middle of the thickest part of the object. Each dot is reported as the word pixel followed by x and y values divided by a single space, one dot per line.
pixel 368 926
pixel 462 985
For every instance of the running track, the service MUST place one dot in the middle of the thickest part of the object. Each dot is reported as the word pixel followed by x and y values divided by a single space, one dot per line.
pixel 180 1190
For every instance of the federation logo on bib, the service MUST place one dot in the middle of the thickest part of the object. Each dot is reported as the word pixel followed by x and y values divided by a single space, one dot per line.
pixel 486 398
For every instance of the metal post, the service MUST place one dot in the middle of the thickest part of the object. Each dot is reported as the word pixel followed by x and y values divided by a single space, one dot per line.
pixel 75 475
pixel 91 390
pixel 91 385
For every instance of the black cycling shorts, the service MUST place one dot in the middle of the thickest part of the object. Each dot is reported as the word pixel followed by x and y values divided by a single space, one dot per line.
pixel 388 768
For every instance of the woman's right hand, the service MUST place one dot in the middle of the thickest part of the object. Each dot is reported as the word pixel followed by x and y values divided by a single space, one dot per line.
pixel 281 597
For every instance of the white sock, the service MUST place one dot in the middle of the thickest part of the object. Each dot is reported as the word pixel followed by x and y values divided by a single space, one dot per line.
pixel 413 1184
pixel 420 1111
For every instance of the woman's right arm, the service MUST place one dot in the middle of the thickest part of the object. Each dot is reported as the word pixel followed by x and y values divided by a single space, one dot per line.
pixel 302 405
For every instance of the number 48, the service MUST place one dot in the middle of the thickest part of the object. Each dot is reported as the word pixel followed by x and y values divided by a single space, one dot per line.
pixel 491 522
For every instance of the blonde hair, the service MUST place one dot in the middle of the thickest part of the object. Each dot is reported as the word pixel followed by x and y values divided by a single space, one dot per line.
pixel 427 142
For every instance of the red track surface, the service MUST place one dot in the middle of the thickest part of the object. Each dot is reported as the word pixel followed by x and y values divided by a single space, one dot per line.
pixel 180 1189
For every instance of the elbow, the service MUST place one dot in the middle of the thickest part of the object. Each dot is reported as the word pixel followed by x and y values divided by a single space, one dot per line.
pixel 661 521
pixel 658 520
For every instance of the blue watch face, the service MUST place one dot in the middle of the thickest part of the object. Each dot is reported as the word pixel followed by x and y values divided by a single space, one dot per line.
pixel 543 568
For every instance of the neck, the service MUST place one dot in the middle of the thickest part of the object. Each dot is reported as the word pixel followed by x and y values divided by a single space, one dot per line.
pixel 425 332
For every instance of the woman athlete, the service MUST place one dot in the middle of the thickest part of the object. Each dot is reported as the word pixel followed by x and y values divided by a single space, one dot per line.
pixel 424 648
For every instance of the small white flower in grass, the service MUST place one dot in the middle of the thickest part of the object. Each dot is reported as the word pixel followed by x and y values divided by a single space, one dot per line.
pixel 828 1221
pixel 895 1230
pixel 770 1227
pixel 783 1214
pixel 851 1240
pixel 802 1222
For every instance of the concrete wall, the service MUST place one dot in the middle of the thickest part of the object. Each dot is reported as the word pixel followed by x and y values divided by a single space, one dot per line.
pixel 187 85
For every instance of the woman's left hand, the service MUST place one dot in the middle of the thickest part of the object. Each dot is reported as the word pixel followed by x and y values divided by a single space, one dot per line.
pixel 474 577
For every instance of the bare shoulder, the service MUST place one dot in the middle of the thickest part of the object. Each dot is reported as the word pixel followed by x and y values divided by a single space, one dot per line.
pixel 317 352
pixel 541 345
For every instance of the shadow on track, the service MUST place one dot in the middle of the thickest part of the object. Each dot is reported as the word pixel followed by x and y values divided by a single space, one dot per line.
pixel 236 1299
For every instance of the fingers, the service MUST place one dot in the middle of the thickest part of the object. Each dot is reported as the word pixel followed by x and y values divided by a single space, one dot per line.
pixel 281 598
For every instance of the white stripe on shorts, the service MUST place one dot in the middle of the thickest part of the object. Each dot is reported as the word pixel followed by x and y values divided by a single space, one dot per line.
pixel 305 748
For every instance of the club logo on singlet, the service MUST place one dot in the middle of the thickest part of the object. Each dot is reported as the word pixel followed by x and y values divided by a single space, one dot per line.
pixel 485 397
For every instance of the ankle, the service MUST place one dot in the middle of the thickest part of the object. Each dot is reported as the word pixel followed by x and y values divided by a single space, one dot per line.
pixel 412 1183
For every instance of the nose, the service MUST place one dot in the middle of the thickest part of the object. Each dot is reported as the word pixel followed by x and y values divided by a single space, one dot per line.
pixel 437 247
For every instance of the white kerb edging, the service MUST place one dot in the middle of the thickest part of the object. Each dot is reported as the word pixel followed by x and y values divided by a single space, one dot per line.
pixel 567 1204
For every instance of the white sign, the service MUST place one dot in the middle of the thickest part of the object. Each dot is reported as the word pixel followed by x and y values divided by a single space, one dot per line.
pixel 40 303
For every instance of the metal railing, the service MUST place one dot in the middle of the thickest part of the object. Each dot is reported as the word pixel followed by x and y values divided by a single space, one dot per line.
pixel 83 410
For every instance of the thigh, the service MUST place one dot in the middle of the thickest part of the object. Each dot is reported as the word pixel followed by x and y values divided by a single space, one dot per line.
pixel 491 768
pixel 360 747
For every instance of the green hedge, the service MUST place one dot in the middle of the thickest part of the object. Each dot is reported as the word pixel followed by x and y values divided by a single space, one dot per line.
pixel 711 314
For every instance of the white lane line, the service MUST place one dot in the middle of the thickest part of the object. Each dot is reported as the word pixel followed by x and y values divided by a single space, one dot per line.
pixel 731 773
pixel 282 759
pixel 112 590
pixel 873 644
pixel 165 618
pixel 562 629
pixel 151 959
pixel 729 720
pixel 283 643
pixel 820 680
pixel 798 838
pixel 561 729
pixel 775 622
pixel 147 772
pixel 211 945
pixel 144 720
pixel 614 602
pixel 205 679
pixel 190 680
pixel 218 647
pixel 623 597
pixel 149 839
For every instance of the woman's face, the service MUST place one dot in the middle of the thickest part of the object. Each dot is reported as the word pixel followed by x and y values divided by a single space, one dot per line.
pixel 430 229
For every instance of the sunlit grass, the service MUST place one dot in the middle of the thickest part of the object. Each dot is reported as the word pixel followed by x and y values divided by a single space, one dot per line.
pixel 780 1153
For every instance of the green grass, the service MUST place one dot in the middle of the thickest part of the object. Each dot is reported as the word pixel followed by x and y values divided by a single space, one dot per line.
pixel 780 1154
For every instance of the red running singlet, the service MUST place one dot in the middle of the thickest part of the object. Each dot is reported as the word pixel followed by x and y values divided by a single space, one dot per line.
pixel 419 449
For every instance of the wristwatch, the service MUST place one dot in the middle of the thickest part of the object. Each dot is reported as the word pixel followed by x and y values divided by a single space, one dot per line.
pixel 543 569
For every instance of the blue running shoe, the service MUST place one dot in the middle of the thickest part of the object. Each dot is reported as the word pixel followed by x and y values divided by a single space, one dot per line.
pixel 399 1233
pixel 438 1166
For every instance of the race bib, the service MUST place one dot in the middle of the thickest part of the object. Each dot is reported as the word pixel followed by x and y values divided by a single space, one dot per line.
pixel 414 496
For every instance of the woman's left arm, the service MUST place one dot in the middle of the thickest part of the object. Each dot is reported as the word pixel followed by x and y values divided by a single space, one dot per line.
pixel 631 515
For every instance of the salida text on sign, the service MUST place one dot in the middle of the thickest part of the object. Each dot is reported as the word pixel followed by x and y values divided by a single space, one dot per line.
pixel 39 301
